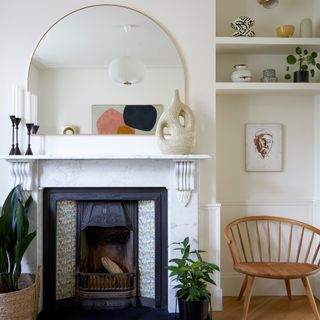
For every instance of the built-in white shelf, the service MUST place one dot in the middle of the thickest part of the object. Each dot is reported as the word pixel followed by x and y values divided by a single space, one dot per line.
pixel 262 88
pixel 186 157
pixel 264 45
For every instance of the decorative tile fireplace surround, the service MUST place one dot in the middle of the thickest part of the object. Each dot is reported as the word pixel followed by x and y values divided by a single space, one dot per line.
pixel 177 174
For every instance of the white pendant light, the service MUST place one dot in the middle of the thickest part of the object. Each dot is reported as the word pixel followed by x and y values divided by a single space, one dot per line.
pixel 126 70
pixel 268 4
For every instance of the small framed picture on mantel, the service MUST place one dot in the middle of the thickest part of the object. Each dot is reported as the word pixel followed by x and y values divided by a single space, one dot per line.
pixel 264 147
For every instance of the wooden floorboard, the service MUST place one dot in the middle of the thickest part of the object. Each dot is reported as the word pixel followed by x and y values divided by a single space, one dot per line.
pixel 267 308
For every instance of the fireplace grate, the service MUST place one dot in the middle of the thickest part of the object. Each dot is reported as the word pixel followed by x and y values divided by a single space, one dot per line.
pixel 106 281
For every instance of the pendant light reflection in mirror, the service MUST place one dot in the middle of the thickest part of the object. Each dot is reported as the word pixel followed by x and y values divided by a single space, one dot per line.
pixel 127 70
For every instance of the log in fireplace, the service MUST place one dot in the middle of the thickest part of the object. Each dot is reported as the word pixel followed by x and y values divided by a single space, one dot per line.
pixel 107 245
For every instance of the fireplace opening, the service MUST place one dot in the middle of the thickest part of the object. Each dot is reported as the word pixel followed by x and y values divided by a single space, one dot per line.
pixel 107 253
pixel 105 247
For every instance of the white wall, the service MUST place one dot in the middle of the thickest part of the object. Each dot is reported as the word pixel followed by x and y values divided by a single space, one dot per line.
pixel 66 95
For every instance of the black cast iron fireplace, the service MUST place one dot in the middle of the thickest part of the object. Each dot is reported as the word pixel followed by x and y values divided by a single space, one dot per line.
pixel 106 263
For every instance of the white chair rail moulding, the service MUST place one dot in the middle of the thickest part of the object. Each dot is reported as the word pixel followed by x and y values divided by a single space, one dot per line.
pixel 23 171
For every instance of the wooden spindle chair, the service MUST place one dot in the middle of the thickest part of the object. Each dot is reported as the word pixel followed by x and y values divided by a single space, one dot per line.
pixel 274 248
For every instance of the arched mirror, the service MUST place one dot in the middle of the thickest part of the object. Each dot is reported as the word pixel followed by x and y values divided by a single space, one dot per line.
pixel 69 72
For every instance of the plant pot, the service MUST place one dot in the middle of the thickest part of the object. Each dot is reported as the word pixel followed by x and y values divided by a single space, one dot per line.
pixel 21 304
pixel 193 310
pixel 301 76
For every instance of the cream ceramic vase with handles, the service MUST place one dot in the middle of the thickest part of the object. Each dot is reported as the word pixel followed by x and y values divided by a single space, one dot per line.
pixel 176 128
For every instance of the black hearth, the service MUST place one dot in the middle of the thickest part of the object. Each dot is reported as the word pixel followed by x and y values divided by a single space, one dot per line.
pixel 107 267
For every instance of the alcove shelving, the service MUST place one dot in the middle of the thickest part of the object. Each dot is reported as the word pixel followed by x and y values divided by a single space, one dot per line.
pixel 275 49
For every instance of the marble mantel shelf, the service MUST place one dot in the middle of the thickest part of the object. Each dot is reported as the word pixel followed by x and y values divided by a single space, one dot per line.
pixel 23 172
pixel 188 157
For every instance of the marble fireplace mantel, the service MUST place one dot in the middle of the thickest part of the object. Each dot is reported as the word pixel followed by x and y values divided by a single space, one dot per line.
pixel 179 174
pixel 24 173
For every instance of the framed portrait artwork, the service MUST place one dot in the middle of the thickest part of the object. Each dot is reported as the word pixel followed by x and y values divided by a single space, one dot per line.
pixel 264 147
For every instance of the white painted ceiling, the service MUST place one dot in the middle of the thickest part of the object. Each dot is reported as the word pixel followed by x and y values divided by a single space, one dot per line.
pixel 94 36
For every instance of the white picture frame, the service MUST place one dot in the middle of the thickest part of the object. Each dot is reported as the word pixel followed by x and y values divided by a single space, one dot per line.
pixel 264 147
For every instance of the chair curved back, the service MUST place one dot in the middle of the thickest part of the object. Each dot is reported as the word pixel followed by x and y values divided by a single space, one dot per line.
pixel 272 239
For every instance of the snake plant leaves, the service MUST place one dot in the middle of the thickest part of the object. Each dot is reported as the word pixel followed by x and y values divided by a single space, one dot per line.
pixel 14 238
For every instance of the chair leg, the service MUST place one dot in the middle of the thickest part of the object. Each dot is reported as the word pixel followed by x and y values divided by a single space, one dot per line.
pixel 243 288
pixel 247 299
pixel 288 287
pixel 313 304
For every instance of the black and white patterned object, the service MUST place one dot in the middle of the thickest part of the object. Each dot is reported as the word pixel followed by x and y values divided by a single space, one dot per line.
pixel 242 26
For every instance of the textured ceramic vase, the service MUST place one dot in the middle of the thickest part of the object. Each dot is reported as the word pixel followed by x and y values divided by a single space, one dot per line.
pixel 176 128
pixel 241 73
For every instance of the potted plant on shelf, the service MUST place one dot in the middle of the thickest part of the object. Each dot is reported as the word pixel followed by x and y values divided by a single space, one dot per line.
pixel 192 274
pixel 305 62
pixel 18 292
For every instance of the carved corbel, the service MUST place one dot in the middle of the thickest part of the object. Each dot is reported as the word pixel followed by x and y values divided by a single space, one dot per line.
pixel 185 180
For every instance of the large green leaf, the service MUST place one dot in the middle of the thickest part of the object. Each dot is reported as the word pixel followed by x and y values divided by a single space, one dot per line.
pixel 21 247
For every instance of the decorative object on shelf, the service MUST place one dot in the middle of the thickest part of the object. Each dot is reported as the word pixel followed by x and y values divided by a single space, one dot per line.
pixel 306 28
pixel 35 129
pixel 125 119
pixel 285 31
pixel 263 147
pixel 242 25
pixel 12 117
pixel 126 70
pixel 192 275
pixel 17 107
pixel 176 128
pixel 305 62
pixel 17 151
pixel 241 73
pixel 69 130
pixel 269 75
pixel 16 301
pixel 29 128
pixel 268 4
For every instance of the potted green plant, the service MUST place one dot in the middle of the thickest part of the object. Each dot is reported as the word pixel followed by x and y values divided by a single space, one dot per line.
pixel 305 62
pixel 17 300
pixel 192 274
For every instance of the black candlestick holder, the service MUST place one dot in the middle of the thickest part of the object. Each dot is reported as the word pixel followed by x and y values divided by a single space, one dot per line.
pixel 35 128
pixel 29 128
pixel 17 151
pixel 12 146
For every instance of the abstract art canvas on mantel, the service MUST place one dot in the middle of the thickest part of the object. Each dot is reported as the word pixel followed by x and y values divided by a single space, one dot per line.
pixel 263 147
pixel 125 119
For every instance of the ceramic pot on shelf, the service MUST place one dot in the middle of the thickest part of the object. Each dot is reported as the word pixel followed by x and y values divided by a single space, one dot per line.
pixel 241 73
pixel 176 128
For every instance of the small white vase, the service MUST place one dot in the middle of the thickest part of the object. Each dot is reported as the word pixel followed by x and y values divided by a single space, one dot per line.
pixel 241 73
pixel 306 28
pixel 176 128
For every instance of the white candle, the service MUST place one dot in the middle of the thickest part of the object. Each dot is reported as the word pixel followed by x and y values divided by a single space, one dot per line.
pixel 34 108
pixel 27 108
pixel 20 102
pixel 14 101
